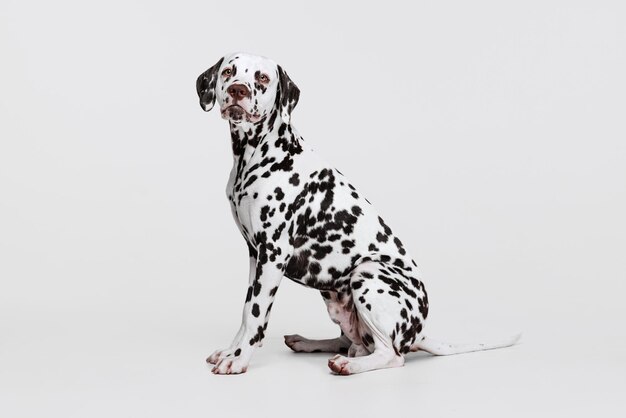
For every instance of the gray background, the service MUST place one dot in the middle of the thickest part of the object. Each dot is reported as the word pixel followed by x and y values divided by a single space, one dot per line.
pixel 489 134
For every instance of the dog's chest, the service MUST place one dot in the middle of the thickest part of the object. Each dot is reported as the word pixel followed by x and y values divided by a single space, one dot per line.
pixel 240 203
pixel 252 198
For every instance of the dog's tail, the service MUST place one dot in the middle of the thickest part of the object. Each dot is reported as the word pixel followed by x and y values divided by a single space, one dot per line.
pixel 439 348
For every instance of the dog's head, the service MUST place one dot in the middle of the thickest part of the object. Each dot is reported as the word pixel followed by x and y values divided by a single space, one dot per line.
pixel 248 88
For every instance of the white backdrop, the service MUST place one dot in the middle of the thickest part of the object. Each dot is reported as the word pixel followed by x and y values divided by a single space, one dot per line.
pixel 489 134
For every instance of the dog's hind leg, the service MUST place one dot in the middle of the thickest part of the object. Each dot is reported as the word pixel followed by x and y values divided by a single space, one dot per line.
pixel 382 357
pixel 385 323
pixel 340 344
pixel 300 344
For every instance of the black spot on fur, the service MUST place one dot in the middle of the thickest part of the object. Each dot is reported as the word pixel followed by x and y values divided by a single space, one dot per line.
pixel 315 268
pixel 298 265
pixel 256 287
pixel 321 251
pixel 251 180
pixel 260 334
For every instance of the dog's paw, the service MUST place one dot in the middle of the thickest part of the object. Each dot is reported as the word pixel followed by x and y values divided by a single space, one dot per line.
pixel 214 357
pixel 357 350
pixel 218 355
pixel 230 365
pixel 297 343
pixel 339 364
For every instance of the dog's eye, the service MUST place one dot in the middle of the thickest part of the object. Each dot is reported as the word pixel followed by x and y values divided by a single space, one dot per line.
pixel 227 72
pixel 263 78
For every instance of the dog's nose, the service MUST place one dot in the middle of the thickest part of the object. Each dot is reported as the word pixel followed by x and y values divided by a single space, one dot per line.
pixel 238 91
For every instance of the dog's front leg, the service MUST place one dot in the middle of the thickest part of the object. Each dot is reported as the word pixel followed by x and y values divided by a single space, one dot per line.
pixel 265 276
pixel 228 352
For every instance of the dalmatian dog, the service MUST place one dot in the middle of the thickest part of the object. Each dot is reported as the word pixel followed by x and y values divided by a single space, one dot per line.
pixel 302 219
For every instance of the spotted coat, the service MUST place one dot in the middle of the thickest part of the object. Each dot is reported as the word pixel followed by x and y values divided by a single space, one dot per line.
pixel 302 219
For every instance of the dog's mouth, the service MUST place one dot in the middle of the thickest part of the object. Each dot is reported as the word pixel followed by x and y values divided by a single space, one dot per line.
pixel 236 113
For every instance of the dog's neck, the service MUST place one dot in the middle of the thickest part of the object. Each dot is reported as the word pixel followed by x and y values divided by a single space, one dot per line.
pixel 246 137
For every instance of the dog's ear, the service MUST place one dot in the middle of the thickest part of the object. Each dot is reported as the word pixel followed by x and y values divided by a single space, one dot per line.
pixel 205 86
pixel 289 94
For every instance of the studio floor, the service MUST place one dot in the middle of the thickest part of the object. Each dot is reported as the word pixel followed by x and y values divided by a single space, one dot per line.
pixel 59 365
